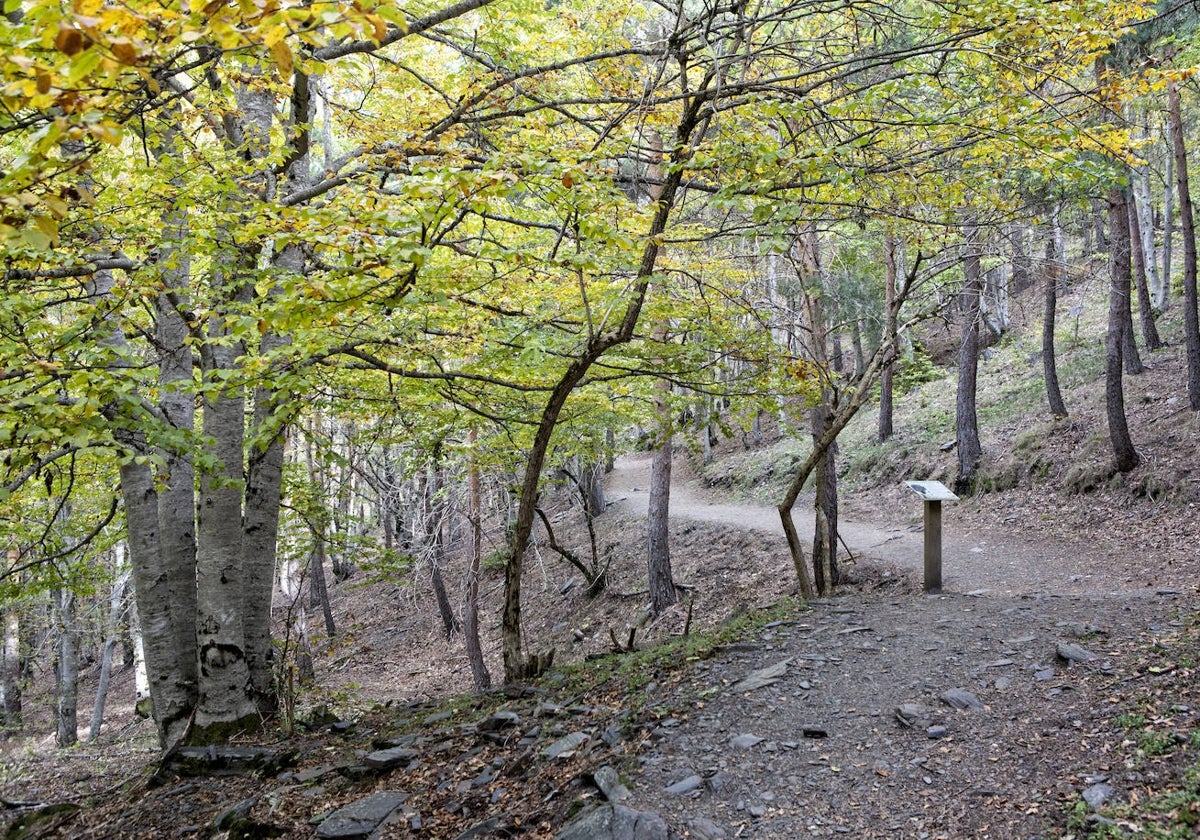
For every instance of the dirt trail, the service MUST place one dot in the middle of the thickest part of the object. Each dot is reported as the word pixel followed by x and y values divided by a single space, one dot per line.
pixel 975 560
pixel 819 749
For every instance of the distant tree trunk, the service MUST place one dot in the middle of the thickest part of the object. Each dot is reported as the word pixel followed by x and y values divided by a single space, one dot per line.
pixel 966 424
pixel 1049 364
pixel 66 669
pixel 592 490
pixel 1150 335
pixel 116 603
pixel 1144 207
pixel 1162 292
pixel 1097 219
pixel 1118 301
pixel 479 670
pixel 1187 224
pixel 885 378
pixel 1121 242
pixel 319 586
pixel 435 545
pixel 856 341
pixel 1022 274
pixel 10 662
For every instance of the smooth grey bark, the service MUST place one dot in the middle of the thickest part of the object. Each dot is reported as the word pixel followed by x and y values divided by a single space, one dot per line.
pixel 1162 292
pixel 169 654
pixel 1143 208
pixel 318 588
pixel 1187 226
pixel 966 424
pixel 1150 335
pixel 1126 457
pixel 10 662
pixel 176 480
pixel 260 522
pixel 225 704
pixel 1049 358
pixel 66 668
pixel 116 606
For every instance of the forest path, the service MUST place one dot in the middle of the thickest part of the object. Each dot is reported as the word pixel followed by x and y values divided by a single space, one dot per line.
pixel 975 559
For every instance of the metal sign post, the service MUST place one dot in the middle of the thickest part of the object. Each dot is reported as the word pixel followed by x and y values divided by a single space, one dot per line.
pixel 934 493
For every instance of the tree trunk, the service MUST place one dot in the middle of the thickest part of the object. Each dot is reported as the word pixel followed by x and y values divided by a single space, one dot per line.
pixel 1144 210
pixel 658 565
pixel 515 664
pixel 1162 292
pixel 1150 335
pixel 260 526
pixel 169 667
pixel 1049 363
pixel 1097 219
pixel 66 668
pixel 1022 273
pixel 434 511
pixel 116 602
pixel 966 424
pixel 885 378
pixel 479 670
pixel 226 704
pixel 825 537
pixel 1187 224
pixel 319 586
pixel 143 702
pixel 10 662
pixel 1114 390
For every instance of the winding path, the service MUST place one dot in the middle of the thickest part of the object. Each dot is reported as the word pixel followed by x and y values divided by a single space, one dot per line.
pixel 975 560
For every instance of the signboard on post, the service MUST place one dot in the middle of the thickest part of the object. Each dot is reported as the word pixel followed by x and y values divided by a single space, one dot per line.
pixel 934 493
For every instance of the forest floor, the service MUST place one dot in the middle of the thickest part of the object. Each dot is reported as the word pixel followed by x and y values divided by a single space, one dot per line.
pixel 1067 627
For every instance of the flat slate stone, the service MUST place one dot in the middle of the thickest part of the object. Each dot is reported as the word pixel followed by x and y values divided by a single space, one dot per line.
pixel 565 746
pixel 763 677
pixel 1073 653
pixel 498 721
pixel 744 742
pixel 614 822
pixel 703 829
pixel 387 759
pixel 359 819
pixel 687 785
pixel 960 698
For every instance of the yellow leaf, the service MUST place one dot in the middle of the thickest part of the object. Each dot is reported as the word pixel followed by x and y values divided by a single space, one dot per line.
pixel 380 27
pixel 283 58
